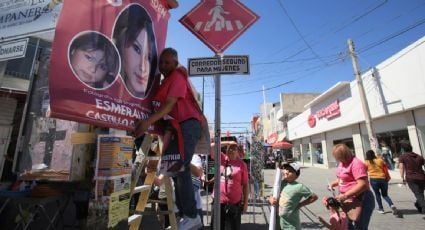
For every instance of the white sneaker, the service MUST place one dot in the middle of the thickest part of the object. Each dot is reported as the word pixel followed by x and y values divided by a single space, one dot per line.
pixel 189 223
pixel 381 211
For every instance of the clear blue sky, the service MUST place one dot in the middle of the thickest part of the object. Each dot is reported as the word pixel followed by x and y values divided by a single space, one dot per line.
pixel 299 41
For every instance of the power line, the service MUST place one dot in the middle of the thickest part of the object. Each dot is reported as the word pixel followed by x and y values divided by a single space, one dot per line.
pixel 360 16
pixel 299 32
pixel 380 42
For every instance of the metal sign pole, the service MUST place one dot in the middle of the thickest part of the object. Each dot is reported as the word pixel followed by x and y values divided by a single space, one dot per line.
pixel 217 136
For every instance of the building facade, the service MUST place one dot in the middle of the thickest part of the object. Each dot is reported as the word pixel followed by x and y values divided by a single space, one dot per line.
pixel 395 92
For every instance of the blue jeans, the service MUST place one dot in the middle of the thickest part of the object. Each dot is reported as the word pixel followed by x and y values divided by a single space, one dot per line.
pixel 185 197
pixel 380 187
pixel 368 205
pixel 388 160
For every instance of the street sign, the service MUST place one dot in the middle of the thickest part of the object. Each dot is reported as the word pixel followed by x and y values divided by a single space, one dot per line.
pixel 13 49
pixel 216 65
pixel 218 23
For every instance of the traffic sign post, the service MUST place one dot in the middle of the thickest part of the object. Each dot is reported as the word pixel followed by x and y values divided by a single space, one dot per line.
pixel 211 66
pixel 218 23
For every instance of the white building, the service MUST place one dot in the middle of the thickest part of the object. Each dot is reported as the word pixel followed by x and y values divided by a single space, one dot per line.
pixel 395 91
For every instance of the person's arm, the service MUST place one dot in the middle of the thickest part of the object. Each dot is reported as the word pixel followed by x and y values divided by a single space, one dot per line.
pixel 361 186
pixel 143 125
pixel 308 201
pixel 245 190
pixel 197 171
pixel 402 172
pixel 332 184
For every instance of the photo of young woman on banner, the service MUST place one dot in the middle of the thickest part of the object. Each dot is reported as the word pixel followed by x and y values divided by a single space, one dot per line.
pixel 104 66
pixel 135 40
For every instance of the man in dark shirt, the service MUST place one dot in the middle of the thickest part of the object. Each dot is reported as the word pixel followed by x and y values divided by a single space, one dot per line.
pixel 411 171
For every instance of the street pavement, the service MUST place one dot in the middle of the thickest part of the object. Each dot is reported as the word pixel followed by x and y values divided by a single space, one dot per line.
pixel 257 217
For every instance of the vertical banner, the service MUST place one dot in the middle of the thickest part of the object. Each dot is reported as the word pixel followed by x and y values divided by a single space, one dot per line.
pixel 104 63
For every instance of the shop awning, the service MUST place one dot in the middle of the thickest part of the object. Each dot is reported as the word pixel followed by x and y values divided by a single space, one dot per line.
pixel 281 145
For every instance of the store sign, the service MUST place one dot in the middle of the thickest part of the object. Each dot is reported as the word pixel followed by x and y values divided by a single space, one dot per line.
pixel 272 138
pixel 311 120
pixel 13 49
pixel 23 18
pixel 329 112
pixel 216 65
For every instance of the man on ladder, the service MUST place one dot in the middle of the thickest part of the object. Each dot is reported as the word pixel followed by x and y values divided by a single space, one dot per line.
pixel 175 99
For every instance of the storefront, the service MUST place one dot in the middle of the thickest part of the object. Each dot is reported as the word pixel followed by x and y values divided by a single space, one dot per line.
pixel 397 108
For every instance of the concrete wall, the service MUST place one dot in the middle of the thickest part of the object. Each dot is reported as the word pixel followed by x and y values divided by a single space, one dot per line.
pixel 294 102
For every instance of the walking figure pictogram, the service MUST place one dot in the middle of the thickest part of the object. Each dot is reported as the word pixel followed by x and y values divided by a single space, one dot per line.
pixel 216 13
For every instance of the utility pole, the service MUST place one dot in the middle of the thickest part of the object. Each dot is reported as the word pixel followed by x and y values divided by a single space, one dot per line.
pixel 264 113
pixel 368 119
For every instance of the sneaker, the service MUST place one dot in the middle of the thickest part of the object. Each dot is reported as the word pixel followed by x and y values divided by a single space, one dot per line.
pixel 418 207
pixel 189 223
pixel 381 211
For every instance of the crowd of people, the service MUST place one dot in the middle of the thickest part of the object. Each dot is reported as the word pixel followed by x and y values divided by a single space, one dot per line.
pixel 178 116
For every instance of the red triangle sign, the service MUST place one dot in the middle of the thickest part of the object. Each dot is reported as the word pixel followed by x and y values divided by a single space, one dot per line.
pixel 218 23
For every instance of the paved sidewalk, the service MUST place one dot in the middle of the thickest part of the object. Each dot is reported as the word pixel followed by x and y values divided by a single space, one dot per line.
pixel 316 178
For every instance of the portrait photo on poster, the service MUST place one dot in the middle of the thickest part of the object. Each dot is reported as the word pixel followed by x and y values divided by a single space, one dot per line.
pixel 93 59
pixel 134 37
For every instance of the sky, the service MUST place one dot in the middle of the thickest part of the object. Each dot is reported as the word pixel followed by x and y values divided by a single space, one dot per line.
pixel 298 46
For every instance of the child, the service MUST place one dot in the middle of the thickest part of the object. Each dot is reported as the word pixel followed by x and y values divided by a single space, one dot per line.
pixel 290 197
pixel 338 219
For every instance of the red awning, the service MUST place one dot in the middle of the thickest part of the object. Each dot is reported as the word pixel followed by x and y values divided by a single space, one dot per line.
pixel 281 145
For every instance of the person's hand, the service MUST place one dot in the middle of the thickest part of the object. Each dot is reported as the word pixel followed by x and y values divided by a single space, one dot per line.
pixel 245 207
pixel 341 197
pixel 141 126
pixel 273 200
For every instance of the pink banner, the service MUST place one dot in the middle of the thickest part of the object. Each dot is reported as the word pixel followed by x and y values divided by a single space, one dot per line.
pixel 104 64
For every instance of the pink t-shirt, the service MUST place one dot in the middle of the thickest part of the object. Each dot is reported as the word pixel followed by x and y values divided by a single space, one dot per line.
pixel 236 172
pixel 184 109
pixel 339 222
pixel 348 174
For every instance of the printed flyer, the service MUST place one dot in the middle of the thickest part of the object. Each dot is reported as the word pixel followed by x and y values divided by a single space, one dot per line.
pixel 114 156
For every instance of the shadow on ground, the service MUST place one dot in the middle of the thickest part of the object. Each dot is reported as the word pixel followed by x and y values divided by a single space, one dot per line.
pixel 248 226
pixel 310 225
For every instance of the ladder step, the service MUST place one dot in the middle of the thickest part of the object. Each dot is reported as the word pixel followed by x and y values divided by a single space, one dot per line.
pixel 149 213
pixel 141 188
pixel 133 218
pixel 153 158
pixel 157 201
